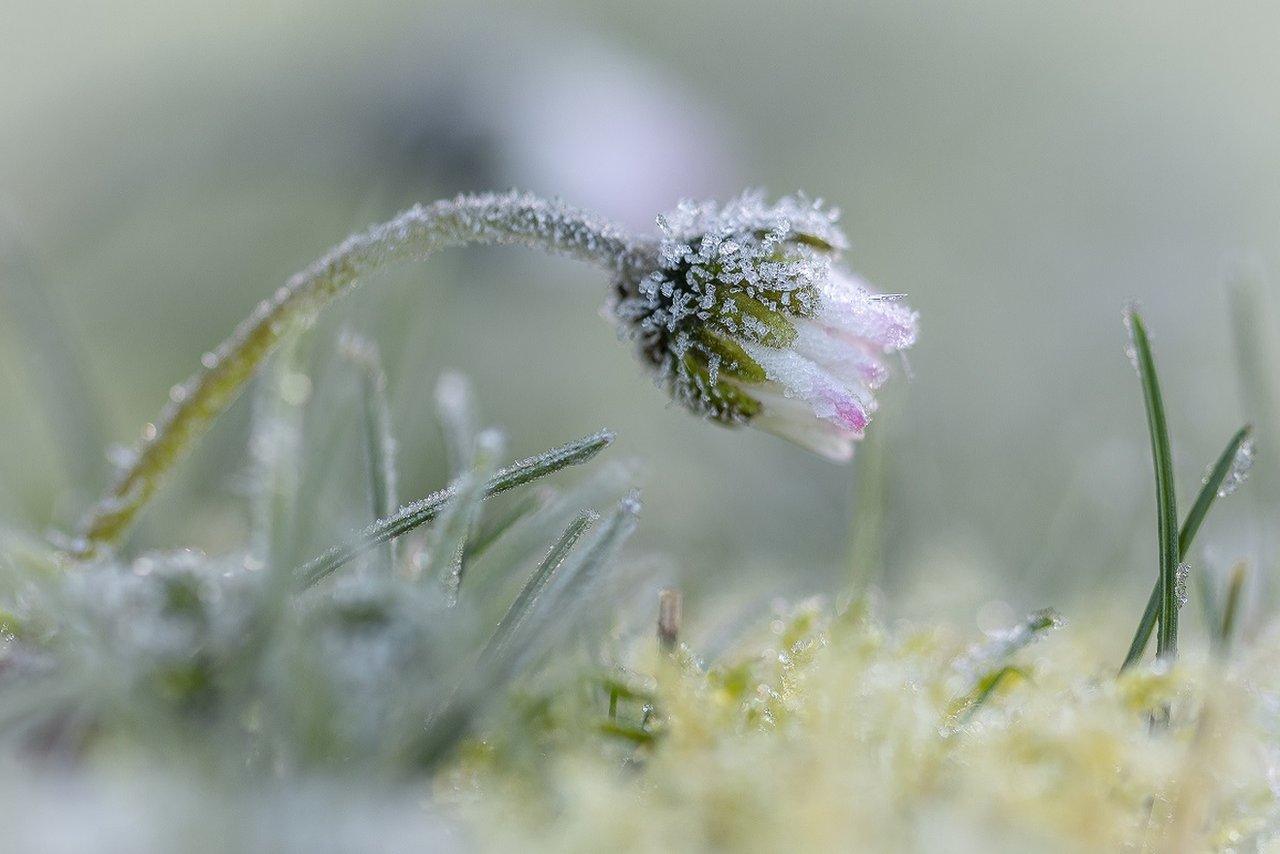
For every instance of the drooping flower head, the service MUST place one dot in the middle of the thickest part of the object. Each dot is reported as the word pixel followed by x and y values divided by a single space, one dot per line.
pixel 746 319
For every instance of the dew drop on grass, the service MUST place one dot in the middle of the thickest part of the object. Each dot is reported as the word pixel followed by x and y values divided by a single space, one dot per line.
pixel 1240 467
pixel 1130 348
pixel 1131 353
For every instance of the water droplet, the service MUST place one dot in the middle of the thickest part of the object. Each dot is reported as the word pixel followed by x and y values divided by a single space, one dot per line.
pixel 209 360
pixel 149 431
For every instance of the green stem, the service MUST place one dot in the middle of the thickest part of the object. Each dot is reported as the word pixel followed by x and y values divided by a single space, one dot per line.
pixel 510 218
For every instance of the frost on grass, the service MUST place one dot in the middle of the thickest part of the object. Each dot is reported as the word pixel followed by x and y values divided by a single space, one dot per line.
pixel 1241 464
pixel 827 734
pixel 244 664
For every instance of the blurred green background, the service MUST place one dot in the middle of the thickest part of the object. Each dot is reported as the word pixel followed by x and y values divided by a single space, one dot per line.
pixel 1021 170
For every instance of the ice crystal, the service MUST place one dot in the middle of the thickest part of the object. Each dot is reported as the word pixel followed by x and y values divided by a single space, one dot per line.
pixel 1180 586
pixel 1240 466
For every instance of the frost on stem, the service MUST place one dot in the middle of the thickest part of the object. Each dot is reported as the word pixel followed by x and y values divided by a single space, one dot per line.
pixel 509 218
pixel 739 310
pixel 745 318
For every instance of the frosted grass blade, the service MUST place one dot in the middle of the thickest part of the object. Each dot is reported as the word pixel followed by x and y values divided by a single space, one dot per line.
pixel 275 451
pixel 550 617
pixel 380 445
pixel 447 539
pixel 456 412
pixel 520 609
pixel 412 515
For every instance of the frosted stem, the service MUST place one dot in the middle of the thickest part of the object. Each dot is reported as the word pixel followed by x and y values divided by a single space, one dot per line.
pixel 513 218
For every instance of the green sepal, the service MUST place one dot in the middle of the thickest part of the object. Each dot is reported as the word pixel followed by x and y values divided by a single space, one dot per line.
pixel 778 332
pixel 734 360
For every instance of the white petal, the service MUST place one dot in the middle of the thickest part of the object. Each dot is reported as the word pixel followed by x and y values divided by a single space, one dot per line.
pixel 846 406
pixel 848 305
pixel 793 419
pixel 846 357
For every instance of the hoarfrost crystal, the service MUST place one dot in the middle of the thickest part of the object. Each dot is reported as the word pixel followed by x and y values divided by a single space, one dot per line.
pixel 1240 466
pixel 1180 587
pixel 746 319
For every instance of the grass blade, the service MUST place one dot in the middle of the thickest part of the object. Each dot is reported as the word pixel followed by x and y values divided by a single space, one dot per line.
pixel 964 708
pixel 548 619
pixel 571 589
pixel 1222 469
pixel 380 446
pixel 1231 610
pixel 455 410
pixel 448 538
pixel 1166 500
pixel 412 515
pixel 524 604
pixel 275 450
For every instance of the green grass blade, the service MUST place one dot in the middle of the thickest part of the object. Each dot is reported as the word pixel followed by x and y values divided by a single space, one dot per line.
pixel 1231 610
pixel 380 446
pixel 524 603
pixel 448 537
pixel 549 620
pixel 412 515
pixel 1166 500
pixel 1222 469
pixel 963 709
pixel 275 445
pixel 1190 526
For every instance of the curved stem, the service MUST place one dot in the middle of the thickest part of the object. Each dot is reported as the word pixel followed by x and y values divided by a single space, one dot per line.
pixel 510 218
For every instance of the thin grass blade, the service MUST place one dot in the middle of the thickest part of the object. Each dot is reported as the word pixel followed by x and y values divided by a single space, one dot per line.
pixel 1231 610
pixel 412 515
pixel 275 452
pixel 1166 500
pixel 524 604
pixel 550 618
pixel 572 588
pixel 1209 492
pixel 456 412
pixel 448 538
pixel 380 445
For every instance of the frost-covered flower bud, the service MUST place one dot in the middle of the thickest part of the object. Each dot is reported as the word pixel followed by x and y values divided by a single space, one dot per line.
pixel 746 319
